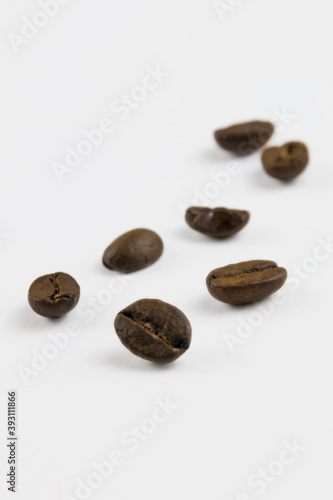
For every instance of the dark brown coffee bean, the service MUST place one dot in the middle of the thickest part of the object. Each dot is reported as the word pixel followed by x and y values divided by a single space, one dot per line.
pixel 54 295
pixel 133 251
pixel 154 330
pixel 246 282
pixel 216 222
pixel 244 138
pixel 285 162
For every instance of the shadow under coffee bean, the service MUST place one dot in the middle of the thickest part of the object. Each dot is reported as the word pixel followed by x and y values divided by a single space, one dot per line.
pixel 285 162
pixel 54 295
pixel 216 222
pixel 154 330
pixel 244 138
pixel 133 251
pixel 246 282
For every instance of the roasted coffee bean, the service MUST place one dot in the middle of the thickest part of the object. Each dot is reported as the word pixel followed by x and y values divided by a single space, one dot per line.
pixel 133 251
pixel 285 162
pixel 244 138
pixel 216 222
pixel 54 295
pixel 154 330
pixel 246 282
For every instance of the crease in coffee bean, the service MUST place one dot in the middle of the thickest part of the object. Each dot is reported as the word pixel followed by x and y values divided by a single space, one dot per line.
pixel 243 271
pixel 53 280
pixel 246 282
pixel 150 328
pixel 56 295
pixel 287 161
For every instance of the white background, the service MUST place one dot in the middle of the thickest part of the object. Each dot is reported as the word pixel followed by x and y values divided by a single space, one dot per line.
pixel 235 409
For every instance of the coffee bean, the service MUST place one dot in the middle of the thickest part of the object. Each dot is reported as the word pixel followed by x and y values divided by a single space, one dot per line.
pixel 244 138
pixel 54 295
pixel 154 330
pixel 246 282
pixel 216 222
pixel 285 162
pixel 133 251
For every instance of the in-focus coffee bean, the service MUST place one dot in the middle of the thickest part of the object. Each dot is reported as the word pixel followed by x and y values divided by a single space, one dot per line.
pixel 244 138
pixel 133 251
pixel 216 222
pixel 246 282
pixel 154 330
pixel 285 162
pixel 54 295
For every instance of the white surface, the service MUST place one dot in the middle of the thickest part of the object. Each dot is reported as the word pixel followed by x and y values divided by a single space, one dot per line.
pixel 236 410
